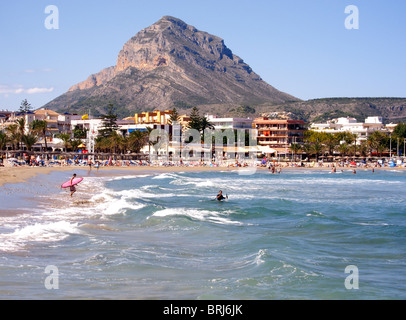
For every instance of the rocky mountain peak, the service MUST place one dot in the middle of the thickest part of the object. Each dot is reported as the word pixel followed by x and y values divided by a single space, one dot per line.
pixel 171 63
pixel 169 38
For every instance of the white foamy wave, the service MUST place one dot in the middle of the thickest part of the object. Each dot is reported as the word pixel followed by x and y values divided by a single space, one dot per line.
pixel 51 232
pixel 197 183
pixel 105 203
pixel 166 176
pixel 130 177
pixel 259 256
pixel 117 206
pixel 196 214
pixel 108 203
pixel 141 194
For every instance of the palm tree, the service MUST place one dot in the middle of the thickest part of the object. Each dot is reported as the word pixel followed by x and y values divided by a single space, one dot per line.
pixel 137 140
pixel 75 143
pixel 150 143
pixel 41 127
pixel 307 148
pixel 331 142
pixel 378 141
pixel 21 128
pixel 317 148
pixel 100 143
pixel 3 140
pixel 364 148
pixel 65 137
pixel 205 124
pixel 29 140
pixel 343 149
pixel 13 135
pixel 295 148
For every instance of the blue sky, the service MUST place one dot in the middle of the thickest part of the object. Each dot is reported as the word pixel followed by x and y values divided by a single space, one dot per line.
pixel 299 47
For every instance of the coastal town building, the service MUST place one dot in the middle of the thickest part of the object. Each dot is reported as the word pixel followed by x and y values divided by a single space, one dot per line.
pixel 229 123
pixel 154 117
pixel 361 129
pixel 4 115
pixel 276 136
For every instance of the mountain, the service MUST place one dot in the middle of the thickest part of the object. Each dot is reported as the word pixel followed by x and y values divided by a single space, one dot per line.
pixel 171 63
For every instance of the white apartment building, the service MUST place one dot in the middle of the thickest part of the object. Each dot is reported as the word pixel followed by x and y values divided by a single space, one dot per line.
pixel 230 123
pixel 361 129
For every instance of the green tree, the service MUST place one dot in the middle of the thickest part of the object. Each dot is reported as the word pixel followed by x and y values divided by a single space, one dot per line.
pixel 25 107
pixel 174 116
pixel 13 135
pixel 378 142
pixel 400 130
pixel 343 149
pixel 137 140
pixel 307 148
pixel 331 141
pixel 21 128
pixel 195 119
pixel 313 141
pixel 29 140
pixel 74 143
pixel 205 124
pixel 117 142
pixel 295 148
pixel 109 123
pixel 317 148
pixel 65 137
pixel 199 123
pixel 364 148
pixel 3 140
pixel 79 133
pixel 41 128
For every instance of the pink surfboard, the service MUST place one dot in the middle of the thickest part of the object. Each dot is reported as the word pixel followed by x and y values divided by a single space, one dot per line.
pixel 74 182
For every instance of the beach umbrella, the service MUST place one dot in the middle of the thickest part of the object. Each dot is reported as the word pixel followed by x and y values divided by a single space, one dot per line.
pixel 81 146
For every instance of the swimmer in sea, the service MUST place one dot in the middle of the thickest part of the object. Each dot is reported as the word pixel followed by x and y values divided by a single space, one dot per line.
pixel 220 196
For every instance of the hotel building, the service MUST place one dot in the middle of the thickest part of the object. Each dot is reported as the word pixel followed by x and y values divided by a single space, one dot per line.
pixel 276 136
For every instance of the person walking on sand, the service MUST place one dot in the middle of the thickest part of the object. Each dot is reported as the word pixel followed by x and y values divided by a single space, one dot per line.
pixel 72 187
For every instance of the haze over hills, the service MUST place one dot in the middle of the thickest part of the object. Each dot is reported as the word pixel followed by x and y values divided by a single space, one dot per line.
pixel 172 64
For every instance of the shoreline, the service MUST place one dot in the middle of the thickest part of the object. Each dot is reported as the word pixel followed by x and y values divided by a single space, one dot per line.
pixel 14 175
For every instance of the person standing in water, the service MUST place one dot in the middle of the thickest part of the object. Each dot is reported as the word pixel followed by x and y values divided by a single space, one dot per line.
pixel 72 187
pixel 220 196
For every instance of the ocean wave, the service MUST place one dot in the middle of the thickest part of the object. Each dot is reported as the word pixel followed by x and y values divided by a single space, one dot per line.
pixel 165 176
pixel 50 232
pixel 129 177
pixel 197 214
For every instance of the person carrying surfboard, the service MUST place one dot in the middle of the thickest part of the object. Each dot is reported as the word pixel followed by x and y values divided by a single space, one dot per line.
pixel 72 187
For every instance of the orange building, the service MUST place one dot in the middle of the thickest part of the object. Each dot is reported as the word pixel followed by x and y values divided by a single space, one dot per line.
pixel 279 134
pixel 155 117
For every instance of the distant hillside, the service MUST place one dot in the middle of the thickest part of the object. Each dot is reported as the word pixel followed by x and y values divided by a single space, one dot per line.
pixel 169 64
pixel 320 110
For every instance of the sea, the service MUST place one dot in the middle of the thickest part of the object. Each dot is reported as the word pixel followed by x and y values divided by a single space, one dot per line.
pixel 300 234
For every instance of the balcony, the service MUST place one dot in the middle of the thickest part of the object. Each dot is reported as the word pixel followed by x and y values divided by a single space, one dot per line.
pixel 273 136
pixel 261 142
